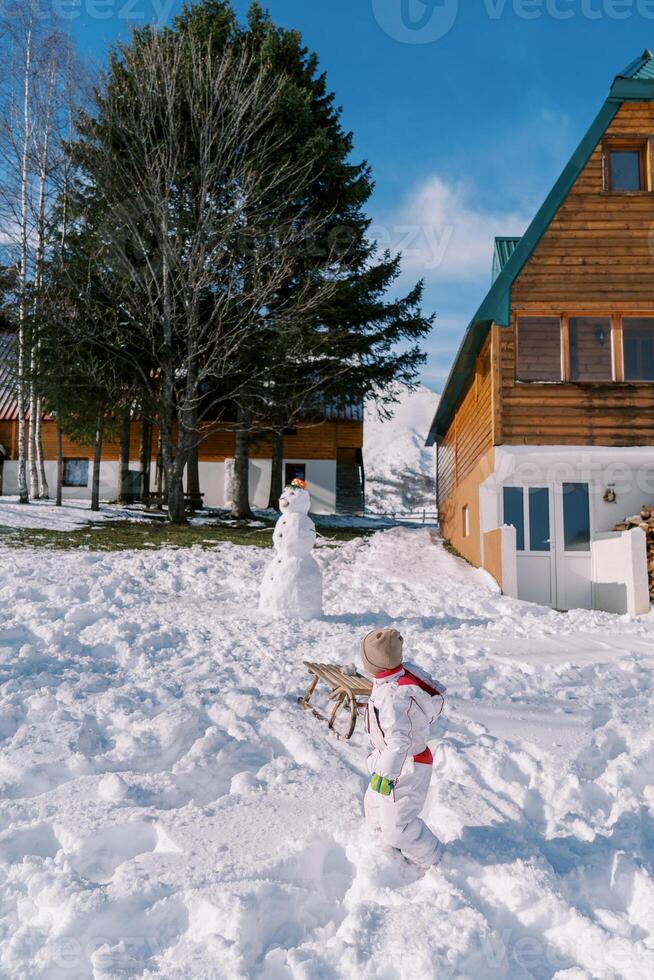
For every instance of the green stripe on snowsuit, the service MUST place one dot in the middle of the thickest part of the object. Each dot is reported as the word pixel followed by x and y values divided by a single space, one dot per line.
pixel 381 785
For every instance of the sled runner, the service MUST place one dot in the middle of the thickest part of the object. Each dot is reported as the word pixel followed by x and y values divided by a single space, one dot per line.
pixel 346 690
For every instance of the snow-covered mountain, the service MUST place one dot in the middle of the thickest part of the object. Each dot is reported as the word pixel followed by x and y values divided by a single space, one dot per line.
pixel 400 474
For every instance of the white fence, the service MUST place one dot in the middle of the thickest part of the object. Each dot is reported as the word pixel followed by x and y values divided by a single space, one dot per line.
pixel 620 580
pixel 423 516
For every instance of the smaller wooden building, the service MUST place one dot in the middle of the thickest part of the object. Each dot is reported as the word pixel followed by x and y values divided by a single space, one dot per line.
pixel 326 451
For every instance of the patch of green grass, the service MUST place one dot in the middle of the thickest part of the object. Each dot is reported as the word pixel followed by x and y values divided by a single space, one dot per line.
pixel 152 535
pixel 449 547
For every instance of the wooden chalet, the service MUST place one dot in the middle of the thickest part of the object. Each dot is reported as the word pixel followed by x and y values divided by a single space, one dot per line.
pixel 326 451
pixel 545 427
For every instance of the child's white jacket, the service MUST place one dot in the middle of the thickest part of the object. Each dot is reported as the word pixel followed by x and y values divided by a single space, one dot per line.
pixel 399 714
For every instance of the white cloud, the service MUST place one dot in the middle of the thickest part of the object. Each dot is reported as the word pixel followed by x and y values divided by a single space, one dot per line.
pixel 443 236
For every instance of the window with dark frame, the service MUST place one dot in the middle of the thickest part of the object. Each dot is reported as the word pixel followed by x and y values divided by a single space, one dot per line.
pixel 465 520
pixel 76 473
pixel 294 471
pixel 589 352
pixel 537 522
pixel 626 170
pixel 538 348
pixel 625 166
pixel 638 347
pixel 591 357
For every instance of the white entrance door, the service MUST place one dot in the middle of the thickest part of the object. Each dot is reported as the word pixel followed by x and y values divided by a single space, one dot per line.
pixel 572 523
pixel 530 511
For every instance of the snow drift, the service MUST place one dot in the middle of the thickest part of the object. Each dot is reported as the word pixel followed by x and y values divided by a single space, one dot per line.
pixel 168 812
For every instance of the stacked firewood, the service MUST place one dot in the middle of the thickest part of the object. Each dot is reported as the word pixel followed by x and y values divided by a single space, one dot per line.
pixel 645 520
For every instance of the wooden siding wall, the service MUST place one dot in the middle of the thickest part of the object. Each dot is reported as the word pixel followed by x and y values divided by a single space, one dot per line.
pixel 465 459
pixel 319 441
pixel 8 437
pixel 470 434
pixel 596 257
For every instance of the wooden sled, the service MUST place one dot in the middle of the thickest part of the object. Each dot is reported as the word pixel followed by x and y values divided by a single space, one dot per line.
pixel 346 690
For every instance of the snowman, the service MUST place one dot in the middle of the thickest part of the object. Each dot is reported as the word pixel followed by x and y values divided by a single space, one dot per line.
pixel 292 585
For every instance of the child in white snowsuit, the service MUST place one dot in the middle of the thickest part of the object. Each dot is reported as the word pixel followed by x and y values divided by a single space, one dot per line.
pixel 403 704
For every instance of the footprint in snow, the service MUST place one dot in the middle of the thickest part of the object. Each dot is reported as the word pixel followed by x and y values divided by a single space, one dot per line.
pixel 97 858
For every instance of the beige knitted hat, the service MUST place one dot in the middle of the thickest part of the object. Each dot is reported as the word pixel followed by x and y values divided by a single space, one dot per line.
pixel 381 650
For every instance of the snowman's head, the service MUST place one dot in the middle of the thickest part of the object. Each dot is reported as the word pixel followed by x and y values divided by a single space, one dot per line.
pixel 295 498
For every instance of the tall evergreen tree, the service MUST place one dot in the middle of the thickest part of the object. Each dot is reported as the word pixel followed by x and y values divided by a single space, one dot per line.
pixel 345 348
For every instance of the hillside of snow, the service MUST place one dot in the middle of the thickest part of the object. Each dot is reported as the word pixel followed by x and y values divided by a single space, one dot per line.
pixel 167 811
pixel 400 470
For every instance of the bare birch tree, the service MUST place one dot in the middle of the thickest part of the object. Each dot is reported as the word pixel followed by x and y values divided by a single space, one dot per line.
pixel 18 42
pixel 31 55
pixel 182 159
pixel 43 140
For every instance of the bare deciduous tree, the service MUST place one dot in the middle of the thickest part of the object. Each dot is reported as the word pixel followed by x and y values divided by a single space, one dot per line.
pixel 32 57
pixel 182 159
pixel 18 37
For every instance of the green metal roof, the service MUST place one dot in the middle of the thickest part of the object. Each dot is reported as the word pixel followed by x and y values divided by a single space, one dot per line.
pixel 642 67
pixel 504 249
pixel 634 84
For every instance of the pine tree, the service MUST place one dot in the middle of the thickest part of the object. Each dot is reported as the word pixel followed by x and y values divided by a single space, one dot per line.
pixel 344 348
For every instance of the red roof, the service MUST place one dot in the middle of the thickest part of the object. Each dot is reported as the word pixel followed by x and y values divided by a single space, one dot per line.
pixel 8 404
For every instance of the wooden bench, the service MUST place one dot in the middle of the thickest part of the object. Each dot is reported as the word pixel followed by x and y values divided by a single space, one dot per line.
pixel 346 689
pixel 192 501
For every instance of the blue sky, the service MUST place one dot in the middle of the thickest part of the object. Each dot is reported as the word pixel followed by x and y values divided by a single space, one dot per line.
pixel 467 111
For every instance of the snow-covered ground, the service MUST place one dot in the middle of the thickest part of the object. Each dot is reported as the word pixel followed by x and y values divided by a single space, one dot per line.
pixel 400 470
pixel 168 811
pixel 43 515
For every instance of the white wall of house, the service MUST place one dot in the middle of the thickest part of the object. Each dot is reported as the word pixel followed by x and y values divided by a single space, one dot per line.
pixel 108 480
pixel 626 471
pixel 321 477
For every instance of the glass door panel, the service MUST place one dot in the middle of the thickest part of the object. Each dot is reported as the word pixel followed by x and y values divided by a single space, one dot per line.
pixel 576 517
pixel 514 513
pixel 528 509
pixel 539 519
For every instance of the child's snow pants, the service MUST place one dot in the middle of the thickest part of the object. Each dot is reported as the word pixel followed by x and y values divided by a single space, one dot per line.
pixel 398 816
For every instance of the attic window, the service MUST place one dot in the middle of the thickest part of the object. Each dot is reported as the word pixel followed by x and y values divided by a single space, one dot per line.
pixel 625 166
